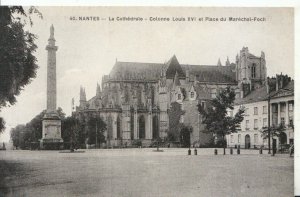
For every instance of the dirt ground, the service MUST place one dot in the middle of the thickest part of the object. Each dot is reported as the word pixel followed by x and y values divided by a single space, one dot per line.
pixel 143 172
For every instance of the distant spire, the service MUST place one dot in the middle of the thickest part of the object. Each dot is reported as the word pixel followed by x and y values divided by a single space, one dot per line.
pixel 227 62
pixel 98 91
pixel 219 62
pixel 82 94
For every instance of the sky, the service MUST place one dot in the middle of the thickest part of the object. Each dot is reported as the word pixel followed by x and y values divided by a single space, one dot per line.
pixel 87 50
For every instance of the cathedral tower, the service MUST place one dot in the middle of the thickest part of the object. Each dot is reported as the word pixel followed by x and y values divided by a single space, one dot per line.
pixel 250 71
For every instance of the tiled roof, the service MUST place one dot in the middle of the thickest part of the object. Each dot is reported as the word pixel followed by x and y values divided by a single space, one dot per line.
pixel 212 73
pixel 152 71
pixel 136 70
pixel 259 94
pixel 290 86
pixel 173 66
pixel 202 92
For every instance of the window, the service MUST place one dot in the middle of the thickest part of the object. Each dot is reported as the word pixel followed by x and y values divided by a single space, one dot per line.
pixel 255 124
pixel 290 106
pixel 282 121
pixel 247 111
pixel 247 124
pixel 128 125
pixel 253 71
pixel 192 94
pixel 265 122
pixel 265 110
pixel 239 138
pixel 179 97
pixel 291 121
pixel 203 104
pixel 282 109
pixel 213 93
pixel 231 139
pixel 274 108
pixel 255 110
pixel 255 138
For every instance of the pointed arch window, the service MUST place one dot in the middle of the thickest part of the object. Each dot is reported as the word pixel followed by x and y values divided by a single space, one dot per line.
pixel 192 94
pixel 253 70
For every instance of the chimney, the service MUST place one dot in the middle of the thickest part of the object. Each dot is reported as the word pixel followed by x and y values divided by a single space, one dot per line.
pixel 277 83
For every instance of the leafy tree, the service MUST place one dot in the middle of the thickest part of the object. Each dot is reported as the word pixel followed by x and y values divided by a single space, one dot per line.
pixel 185 136
pixel 275 131
pixel 96 129
pixel 17 61
pixel 70 131
pixel 23 135
pixel 215 115
pixel 2 125
pixel 15 135
pixel 174 121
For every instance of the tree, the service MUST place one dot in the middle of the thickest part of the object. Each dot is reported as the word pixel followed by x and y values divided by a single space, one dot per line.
pixel 175 114
pixel 215 115
pixel 70 131
pixel 185 133
pixel 17 61
pixel 23 135
pixel 274 131
pixel 96 129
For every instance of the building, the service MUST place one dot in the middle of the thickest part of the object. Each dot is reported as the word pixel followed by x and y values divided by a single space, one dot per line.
pixel 278 95
pixel 135 98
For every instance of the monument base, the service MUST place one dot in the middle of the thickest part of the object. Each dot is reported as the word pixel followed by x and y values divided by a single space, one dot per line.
pixel 51 144
pixel 51 132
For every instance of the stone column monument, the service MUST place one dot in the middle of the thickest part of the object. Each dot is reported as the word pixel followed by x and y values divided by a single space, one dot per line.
pixel 51 122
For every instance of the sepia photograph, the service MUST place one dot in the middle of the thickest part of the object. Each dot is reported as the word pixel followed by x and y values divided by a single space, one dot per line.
pixel 147 101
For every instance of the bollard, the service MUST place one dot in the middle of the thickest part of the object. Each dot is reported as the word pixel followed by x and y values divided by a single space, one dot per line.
pixel 238 151
pixel 260 151
pixel 195 151
pixel 231 151
pixel 216 151
pixel 189 151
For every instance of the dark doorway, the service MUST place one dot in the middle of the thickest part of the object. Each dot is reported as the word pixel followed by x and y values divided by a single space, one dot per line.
pixel 283 138
pixel 118 128
pixel 141 127
pixel 155 129
pixel 247 142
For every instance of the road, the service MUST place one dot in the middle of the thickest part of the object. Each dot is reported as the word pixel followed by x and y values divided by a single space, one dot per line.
pixel 143 172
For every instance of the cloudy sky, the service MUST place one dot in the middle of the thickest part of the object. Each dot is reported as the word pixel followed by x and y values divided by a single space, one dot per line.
pixel 88 49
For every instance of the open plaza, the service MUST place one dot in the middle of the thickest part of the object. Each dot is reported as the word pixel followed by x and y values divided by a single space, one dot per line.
pixel 144 172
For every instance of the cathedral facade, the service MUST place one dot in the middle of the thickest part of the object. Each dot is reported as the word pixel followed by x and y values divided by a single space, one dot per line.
pixel 135 98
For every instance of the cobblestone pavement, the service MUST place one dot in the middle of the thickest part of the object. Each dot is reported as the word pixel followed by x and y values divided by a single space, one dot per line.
pixel 143 172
